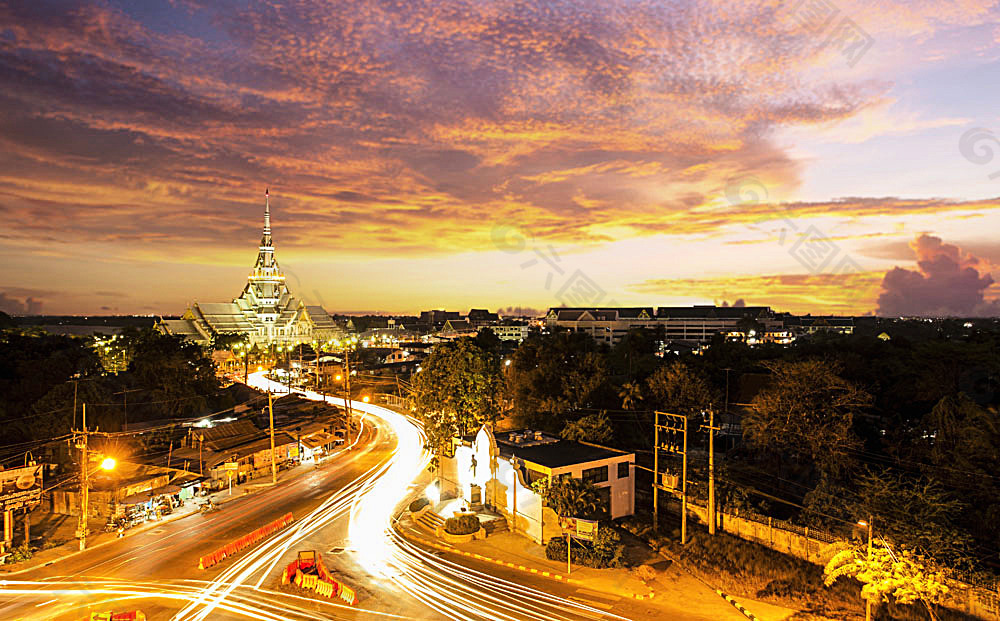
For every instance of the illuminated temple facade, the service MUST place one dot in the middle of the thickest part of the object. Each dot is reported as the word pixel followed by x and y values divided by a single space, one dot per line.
pixel 266 312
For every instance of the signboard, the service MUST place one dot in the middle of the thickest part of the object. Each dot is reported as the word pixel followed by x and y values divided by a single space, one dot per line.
pixel 20 487
pixel 231 465
pixel 578 528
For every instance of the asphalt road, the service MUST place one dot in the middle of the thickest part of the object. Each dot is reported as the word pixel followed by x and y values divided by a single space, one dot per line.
pixel 164 559
pixel 156 570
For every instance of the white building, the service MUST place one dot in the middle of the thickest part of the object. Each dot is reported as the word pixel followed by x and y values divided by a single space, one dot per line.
pixel 497 470
pixel 265 312
pixel 510 333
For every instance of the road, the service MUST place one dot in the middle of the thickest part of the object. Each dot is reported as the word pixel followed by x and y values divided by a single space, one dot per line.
pixel 345 511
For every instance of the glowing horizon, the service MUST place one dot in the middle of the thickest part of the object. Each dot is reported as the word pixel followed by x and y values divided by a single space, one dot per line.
pixel 456 155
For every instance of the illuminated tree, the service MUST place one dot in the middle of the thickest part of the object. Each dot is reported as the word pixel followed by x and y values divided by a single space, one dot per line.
pixel 457 389
pixel 904 577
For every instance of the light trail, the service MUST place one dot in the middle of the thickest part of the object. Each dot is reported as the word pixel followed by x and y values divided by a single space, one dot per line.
pixel 455 591
pixel 371 501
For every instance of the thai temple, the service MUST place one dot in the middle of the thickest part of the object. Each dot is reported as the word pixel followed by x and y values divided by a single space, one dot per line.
pixel 265 311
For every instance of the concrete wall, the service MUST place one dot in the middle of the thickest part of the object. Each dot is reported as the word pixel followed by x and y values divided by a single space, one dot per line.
pixel 807 545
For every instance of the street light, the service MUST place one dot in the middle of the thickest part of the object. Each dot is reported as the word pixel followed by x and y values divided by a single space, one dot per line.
pixel 109 463
pixel 868 601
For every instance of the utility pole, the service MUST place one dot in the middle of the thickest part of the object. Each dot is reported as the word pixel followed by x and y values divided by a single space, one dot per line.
pixel 656 472
pixel 274 466
pixel 868 601
pixel 84 483
pixel 711 429
pixel 673 424
pixel 347 385
pixel 124 394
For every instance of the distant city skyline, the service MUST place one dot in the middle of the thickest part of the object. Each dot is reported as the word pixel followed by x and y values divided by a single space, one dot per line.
pixel 446 154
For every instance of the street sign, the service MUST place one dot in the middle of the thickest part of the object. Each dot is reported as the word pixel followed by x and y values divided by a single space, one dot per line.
pixel 579 528
pixel 20 487
pixel 231 465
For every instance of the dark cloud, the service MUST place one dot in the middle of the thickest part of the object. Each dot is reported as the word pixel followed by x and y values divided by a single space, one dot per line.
pixel 14 306
pixel 520 311
pixel 947 282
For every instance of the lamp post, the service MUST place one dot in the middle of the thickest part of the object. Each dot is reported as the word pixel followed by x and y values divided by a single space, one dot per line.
pixel 868 601
pixel 108 463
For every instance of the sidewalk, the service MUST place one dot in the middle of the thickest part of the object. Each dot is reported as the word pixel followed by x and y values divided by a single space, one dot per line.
pixel 98 538
pixel 672 590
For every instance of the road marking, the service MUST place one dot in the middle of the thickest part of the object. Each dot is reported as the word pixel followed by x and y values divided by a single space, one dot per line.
pixel 46 603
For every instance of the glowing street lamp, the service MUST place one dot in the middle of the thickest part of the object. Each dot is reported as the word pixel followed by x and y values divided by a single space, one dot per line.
pixel 108 463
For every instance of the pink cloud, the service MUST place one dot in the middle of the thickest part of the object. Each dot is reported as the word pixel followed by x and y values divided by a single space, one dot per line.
pixel 947 282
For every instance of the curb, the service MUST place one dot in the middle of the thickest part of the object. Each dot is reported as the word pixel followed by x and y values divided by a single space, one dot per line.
pixel 522 568
pixel 480 557
pixel 746 613
pixel 737 606
pixel 134 532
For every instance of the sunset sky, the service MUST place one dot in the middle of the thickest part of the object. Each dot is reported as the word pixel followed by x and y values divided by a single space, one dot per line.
pixel 491 153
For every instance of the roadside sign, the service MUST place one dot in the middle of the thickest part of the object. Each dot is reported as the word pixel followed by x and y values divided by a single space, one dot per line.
pixel 579 528
pixel 231 465
pixel 20 487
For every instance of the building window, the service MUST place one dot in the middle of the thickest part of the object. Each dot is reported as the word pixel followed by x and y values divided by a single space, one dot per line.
pixel 604 494
pixel 623 470
pixel 596 475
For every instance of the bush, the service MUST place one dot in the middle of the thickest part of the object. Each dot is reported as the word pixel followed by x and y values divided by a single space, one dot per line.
pixel 18 554
pixel 418 504
pixel 462 525
pixel 607 550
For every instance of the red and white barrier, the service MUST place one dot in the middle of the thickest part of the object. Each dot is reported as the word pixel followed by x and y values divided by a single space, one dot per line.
pixel 244 542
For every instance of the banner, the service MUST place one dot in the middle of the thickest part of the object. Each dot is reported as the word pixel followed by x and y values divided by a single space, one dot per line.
pixel 20 487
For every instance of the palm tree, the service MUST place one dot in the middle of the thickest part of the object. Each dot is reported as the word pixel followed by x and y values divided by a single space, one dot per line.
pixel 630 395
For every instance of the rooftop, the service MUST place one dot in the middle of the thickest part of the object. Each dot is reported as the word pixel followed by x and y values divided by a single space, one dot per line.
pixel 550 451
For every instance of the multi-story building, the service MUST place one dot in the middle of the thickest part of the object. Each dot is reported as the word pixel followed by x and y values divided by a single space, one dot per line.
pixel 607 325
pixel 265 312
pixel 691 324
pixel 510 332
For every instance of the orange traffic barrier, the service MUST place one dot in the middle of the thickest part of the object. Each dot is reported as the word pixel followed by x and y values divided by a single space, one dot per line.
pixel 245 541
pixel 322 583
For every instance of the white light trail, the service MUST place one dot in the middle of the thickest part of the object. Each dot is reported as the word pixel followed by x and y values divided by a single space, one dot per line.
pixel 371 500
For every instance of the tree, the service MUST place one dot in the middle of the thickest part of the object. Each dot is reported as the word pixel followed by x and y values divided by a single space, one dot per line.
pixel 806 412
pixel 915 513
pixel 904 577
pixel 591 428
pixel 457 390
pixel 630 395
pixel 959 443
pixel 674 386
pixel 570 497
pixel 554 374
pixel 229 340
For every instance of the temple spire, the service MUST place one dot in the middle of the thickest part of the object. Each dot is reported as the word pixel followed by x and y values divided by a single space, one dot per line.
pixel 267 210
